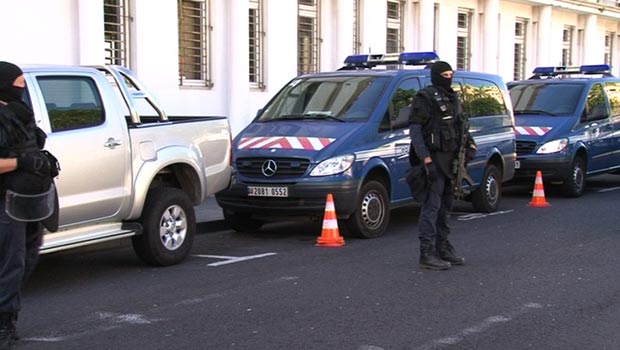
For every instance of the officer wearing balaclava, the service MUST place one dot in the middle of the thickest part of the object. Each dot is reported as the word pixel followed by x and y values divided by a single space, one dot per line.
pixel 435 139
pixel 23 170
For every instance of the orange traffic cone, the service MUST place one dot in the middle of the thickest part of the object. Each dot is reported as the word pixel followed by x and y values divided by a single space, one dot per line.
pixel 330 237
pixel 538 196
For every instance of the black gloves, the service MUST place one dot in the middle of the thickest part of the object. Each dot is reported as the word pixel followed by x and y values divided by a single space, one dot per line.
pixel 41 136
pixel 431 172
pixel 36 163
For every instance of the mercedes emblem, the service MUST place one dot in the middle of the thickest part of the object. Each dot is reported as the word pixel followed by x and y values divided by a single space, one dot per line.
pixel 269 168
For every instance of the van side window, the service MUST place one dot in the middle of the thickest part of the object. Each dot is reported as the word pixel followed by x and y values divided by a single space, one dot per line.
pixel 71 102
pixel 482 98
pixel 613 94
pixel 596 108
pixel 399 108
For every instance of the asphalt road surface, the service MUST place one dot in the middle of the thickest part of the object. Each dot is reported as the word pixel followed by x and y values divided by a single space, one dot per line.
pixel 535 278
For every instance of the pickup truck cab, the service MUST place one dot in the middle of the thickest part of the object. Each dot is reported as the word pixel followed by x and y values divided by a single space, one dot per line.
pixel 127 168
pixel 347 133
pixel 567 125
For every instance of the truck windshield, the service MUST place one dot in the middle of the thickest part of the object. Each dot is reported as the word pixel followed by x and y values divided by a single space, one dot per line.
pixel 545 98
pixel 340 99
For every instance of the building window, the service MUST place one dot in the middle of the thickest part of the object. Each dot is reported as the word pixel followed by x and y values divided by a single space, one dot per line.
pixel 520 48
pixel 436 26
pixel 116 31
pixel 567 45
pixel 395 26
pixel 609 47
pixel 357 27
pixel 256 48
pixel 463 39
pixel 308 41
pixel 194 40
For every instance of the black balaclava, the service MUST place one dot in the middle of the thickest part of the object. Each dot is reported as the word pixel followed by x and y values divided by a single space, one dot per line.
pixel 436 69
pixel 8 73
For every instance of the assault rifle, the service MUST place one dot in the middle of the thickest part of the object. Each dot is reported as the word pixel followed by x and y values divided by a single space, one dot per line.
pixel 460 163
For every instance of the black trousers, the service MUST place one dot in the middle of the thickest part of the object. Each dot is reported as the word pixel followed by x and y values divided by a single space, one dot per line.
pixel 19 253
pixel 433 222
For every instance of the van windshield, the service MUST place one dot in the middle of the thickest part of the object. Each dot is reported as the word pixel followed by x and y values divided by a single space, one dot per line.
pixel 545 98
pixel 339 99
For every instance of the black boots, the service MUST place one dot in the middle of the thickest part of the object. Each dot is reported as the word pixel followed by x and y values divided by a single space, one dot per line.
pixel 446 253
pixel 429 258
pixel 6 330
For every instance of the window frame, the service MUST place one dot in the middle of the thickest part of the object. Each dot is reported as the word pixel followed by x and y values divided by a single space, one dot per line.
pixel 116 32
pixel 201 77
pixel 308 58
pixel 256 45
pixel 520 49
pixel 396 26
pixel 463 54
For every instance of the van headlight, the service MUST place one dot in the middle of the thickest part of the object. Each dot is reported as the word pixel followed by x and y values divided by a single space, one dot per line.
pixel 553 146
pixel 335 165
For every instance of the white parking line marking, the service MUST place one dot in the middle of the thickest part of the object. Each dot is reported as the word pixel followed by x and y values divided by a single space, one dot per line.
pixel 231 259
pixel 609 189
pixel 473 216
pixel 479 328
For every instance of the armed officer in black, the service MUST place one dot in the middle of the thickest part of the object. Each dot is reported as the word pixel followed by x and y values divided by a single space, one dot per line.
pixel 25 188
pixel 435 130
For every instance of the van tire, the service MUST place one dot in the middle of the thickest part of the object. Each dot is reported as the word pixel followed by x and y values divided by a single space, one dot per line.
pixel 486 197
pixel 241 222
pixel 575 183
pixel 168 227
pixel 372 213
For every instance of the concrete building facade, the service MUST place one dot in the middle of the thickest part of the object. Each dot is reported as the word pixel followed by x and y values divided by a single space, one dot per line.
pixel 229 57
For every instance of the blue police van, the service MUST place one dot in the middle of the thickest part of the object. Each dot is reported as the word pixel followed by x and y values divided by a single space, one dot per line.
pixel 347 133
pixel 567 125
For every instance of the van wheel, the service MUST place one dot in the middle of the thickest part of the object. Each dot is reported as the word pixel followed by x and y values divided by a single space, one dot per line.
pixel 575 183
pixel 486 198
pixel 168 227
pixel 372 214
pixel 242 222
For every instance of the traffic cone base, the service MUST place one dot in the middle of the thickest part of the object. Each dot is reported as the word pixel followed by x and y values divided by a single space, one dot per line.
pixel 330 235
pixel 538 196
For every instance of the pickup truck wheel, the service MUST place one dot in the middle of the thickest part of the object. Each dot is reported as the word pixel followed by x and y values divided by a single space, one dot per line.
pixel 242 222
pixel 486 198
pixel 372 215
pixel 576 181
pixel 168 227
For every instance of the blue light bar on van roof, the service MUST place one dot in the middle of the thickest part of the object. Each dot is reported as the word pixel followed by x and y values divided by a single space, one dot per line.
pixel 418 58
pixel 406 58
pixel 584 69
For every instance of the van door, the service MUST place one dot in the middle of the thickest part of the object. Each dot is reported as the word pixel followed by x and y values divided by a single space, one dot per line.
pixel 490 123
pixel 595 129
pixel 395 128
pixel 613 95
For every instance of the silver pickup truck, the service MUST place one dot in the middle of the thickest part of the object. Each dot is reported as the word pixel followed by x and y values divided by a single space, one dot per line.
pixel 127 169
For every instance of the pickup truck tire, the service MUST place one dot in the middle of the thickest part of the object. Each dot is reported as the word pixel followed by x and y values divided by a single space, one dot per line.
pixel 486 198
pixel 575 183
pixel 372 215
pixel 168 227
pixel 242 222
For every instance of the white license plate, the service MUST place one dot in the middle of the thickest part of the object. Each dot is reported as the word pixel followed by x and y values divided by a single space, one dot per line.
pixel 260 191
pixel 517 164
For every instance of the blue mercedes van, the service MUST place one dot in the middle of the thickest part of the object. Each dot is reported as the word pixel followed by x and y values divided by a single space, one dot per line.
pixel 347 133
pixel 567 125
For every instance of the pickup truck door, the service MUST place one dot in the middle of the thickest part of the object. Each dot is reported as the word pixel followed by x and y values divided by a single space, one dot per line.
pixel 89 137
